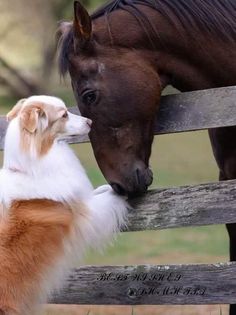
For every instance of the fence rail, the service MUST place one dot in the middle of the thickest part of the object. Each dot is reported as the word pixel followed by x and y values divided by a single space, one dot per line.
pixel 148 284
pixel 205 204
pixel 182 112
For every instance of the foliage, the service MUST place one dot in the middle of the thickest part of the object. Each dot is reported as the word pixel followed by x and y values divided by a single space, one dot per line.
pixel 28 45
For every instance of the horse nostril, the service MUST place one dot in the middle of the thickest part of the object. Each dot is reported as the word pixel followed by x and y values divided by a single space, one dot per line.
pixel 144 177
pixel 118 188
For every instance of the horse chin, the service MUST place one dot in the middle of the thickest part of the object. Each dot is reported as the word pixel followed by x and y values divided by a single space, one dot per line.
pixel 118 189
pixel 131 194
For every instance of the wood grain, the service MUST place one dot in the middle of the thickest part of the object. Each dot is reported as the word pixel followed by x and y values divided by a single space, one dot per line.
pixel 204 204
pixel 148 284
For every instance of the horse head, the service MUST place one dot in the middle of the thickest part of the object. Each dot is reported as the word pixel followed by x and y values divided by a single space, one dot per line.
pixel 118 88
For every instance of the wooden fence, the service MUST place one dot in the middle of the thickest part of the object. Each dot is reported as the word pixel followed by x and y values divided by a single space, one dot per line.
pixel 205 204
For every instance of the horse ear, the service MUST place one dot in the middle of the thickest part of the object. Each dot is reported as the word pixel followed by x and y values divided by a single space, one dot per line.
pixel 82 26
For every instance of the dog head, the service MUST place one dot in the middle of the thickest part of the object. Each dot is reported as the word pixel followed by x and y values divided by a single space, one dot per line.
pixel 43 119
pixel 38 113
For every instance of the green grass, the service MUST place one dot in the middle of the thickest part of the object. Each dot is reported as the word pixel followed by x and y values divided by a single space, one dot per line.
pixel 185 245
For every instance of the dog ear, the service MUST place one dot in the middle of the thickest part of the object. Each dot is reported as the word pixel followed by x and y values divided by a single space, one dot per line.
pixel 29 118
pixel 15 110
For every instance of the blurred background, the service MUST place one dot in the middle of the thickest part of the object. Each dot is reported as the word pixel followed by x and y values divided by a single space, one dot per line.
pixel 28 66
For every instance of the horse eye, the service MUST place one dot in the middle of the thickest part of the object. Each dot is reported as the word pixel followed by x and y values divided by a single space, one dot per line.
pixel 89 98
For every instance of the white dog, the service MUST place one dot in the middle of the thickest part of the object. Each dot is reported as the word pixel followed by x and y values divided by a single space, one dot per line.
pixel 49 212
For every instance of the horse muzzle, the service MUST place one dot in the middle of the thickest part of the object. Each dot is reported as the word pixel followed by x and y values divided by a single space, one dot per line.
pixel 135 184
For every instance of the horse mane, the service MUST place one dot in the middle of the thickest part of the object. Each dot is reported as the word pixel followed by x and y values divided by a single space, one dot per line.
pixel 217 17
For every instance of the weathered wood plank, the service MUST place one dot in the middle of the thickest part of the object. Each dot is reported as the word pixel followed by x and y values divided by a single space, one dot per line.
pixel 183 112
pixel 148 284
pixel 3 127
pixel 197 110
pixel 204 204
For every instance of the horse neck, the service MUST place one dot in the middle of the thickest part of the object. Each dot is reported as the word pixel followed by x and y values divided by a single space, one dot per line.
pixel 186 60
pixel 195 62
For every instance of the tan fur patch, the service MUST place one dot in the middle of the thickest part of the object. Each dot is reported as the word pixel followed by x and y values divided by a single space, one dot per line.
pixel 31 240
pixel 33 137
pixel 29 118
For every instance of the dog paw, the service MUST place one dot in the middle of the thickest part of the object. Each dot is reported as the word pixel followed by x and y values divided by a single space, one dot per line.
pixel 102 189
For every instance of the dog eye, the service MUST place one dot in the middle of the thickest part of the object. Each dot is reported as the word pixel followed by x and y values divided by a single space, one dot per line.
pixel 65 115
pixel 89 97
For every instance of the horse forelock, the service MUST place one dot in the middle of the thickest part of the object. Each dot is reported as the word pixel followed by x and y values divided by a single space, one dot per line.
pixel 64 46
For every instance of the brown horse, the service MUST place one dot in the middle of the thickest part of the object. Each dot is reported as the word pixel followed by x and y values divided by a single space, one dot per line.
pixel 123 56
